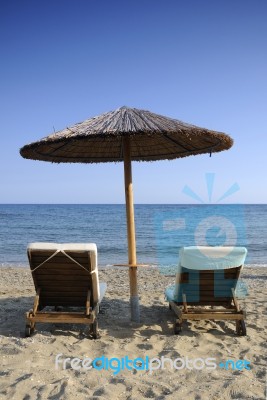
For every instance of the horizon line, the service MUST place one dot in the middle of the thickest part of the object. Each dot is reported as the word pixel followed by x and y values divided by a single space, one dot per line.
pixel 136 204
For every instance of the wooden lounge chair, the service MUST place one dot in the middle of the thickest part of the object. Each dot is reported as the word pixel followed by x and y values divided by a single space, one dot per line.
pixel 64 275
pixel 207 276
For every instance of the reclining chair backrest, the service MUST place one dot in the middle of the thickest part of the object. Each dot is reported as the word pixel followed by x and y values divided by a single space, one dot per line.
pixel 207 275
pixel 64 273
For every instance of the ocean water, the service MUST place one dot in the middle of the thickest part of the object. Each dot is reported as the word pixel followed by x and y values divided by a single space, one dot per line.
pixel 160 230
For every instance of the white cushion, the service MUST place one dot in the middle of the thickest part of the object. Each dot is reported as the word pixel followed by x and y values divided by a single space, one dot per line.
pixel 88 247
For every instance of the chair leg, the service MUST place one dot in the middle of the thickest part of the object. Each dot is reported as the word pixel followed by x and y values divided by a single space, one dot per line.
pixel 177 326
pixel 29 329
pixel 95 330
pixel 30 326
pixel 241 329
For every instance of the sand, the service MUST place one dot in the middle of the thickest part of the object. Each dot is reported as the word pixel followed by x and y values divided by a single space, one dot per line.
pixel 28 364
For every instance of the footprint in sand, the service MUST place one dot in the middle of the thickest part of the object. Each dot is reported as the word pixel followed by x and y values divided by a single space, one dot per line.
pixel 145 346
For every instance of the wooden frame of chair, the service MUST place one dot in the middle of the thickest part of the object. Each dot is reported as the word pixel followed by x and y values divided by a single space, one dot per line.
pixel 88 317
pixel 231 308
pixel 66 281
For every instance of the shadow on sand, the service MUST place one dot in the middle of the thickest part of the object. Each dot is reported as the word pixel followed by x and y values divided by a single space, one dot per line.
pixel 114 320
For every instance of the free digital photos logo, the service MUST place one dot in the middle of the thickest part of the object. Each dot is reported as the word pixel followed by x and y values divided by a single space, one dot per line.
pixel 209 223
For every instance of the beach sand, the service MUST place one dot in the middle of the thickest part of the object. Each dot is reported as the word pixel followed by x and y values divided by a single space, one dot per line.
pixel 28 364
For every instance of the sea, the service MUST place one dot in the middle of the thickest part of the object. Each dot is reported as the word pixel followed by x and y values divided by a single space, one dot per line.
pixel 161 230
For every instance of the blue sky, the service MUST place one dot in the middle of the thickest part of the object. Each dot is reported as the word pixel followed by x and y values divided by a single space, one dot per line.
pixel 203 62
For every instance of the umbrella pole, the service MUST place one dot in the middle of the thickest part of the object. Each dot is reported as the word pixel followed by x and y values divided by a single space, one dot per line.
pixel 134 299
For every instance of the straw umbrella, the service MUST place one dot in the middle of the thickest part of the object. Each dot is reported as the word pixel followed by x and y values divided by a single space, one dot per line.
pixel 123 135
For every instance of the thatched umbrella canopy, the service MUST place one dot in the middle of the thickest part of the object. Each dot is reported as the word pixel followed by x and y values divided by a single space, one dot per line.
pixel 100 139
pixel 123 135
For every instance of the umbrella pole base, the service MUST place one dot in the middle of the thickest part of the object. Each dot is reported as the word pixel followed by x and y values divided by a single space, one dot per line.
pixel 135 312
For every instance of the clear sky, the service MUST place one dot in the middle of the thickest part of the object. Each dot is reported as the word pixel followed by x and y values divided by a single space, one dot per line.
pixel 203 62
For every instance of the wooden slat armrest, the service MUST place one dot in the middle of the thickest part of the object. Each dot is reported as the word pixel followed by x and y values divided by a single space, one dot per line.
pixel 36 301
pixel 235 300
pixel 88 303
pixel 184 303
